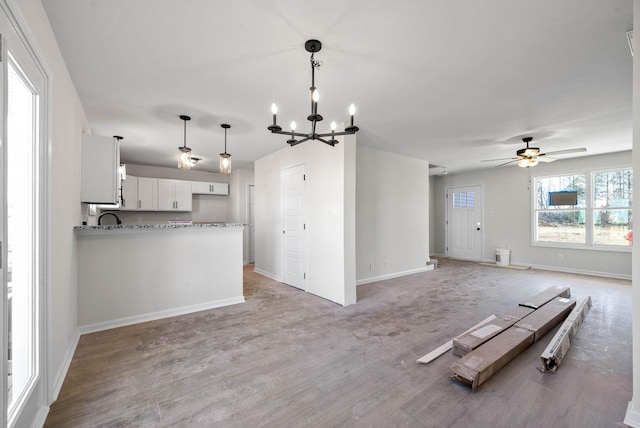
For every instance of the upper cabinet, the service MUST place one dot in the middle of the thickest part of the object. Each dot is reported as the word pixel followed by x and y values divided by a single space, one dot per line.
pixel 174 195
pixel 205 188
pixel 100 170
pixel 139 194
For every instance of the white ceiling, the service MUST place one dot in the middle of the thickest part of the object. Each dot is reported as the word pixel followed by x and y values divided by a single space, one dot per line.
pixel 451 82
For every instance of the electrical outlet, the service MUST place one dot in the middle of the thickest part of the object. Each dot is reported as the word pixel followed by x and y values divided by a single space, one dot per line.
pixel 560 257
pixel 371 266
pixel 386 263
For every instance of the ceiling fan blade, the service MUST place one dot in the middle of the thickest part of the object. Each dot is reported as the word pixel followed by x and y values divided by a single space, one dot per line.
pixel 564 152
pixel 501 159
pixel 546 159
pixel 507 163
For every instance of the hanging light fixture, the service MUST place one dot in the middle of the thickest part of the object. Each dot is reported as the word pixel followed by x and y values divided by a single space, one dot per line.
pixel 225 158
pixel 184 158
pixel 312 46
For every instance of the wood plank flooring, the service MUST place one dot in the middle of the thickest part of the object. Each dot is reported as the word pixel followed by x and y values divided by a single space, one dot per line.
pixel 286 358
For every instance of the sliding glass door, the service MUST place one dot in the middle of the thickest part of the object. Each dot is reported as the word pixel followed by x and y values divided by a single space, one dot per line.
pixel 22 223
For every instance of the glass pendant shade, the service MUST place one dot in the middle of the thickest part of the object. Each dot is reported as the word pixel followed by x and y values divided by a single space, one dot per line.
pixel 225 163
pixel 184 158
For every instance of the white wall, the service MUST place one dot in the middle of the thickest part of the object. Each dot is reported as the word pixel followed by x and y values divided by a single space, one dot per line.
pixel 66 123
pixel 134 275
pixel 507 216
pixel 392 205
pixel 329 208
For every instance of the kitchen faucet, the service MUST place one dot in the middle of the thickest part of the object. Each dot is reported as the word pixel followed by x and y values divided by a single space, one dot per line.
pixel 104 214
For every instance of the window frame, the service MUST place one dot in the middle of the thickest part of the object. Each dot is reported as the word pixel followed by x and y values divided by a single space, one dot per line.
pixel 589 211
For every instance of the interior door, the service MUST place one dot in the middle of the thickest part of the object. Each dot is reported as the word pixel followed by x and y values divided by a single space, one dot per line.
pixel 293 237
pixel 464 222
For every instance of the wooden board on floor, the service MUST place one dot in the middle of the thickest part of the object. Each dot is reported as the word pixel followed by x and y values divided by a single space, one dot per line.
pixel 448 345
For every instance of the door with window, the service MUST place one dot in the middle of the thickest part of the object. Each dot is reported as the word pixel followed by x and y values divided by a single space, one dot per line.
pixel 22 223
pixel 464 222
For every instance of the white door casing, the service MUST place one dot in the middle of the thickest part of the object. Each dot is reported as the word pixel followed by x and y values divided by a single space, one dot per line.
pixel 252 223
pixel 464 222
pixel 294 255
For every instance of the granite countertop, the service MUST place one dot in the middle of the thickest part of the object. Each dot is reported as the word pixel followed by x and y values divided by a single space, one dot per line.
pixel 156 226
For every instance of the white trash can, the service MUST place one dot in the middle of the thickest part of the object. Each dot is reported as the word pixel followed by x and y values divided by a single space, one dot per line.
pixel 502 256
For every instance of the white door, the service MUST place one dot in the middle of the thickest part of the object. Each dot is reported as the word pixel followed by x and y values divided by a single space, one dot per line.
pixel 464 222
pixel 22 225
pixel 293 243
pixel 252 224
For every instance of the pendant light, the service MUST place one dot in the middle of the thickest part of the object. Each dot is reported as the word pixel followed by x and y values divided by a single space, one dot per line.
pixel 225 158
pixel 184 158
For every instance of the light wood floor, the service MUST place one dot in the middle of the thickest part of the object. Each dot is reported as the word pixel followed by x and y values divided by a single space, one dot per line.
pixel 286 358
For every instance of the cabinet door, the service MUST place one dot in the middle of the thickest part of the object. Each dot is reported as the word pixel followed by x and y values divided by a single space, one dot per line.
pixel 183 196
pixel 100 179
pixel 129 194
pixel 166 195
pixel 147 194
pixel 201 187
pixel 220 188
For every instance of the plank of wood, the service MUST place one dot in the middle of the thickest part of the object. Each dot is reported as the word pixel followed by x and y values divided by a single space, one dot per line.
pixel 448 345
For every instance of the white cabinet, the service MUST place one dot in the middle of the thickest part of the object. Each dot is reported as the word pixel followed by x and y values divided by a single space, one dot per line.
pixel 147 194
pixel 206 188
pixel 100 170
pixel 129 194
pixel 174 195
pixel 139 194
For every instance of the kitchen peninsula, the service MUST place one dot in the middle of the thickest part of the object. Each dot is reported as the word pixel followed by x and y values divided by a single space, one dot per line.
pixel 134 273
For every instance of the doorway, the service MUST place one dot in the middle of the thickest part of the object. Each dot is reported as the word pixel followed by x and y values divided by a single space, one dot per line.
pixel 294 257
pixel 464 222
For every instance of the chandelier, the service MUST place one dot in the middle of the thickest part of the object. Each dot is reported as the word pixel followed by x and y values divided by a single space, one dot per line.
pixel 329 138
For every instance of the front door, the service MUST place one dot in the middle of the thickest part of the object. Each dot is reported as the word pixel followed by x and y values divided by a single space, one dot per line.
pixel 464 222
pixel 294 260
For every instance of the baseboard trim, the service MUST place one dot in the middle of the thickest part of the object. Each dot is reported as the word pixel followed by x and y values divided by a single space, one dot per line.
pixel 632 417
pixel 62 372
pixel 152 316
pixel 393 275
pixel 40 417
pixel 267 274
pixel 579 271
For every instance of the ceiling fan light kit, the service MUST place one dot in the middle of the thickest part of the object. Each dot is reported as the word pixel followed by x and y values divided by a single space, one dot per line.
pixel 313 46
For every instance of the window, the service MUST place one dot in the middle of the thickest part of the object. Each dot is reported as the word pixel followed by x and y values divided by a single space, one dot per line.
pixel 463 199
pixel 600 218
pixel 612 207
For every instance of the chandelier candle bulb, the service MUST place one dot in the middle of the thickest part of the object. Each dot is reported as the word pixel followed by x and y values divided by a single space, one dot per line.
pixel 274 110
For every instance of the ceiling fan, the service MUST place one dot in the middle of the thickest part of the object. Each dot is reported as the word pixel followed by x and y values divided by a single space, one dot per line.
pixel 530 156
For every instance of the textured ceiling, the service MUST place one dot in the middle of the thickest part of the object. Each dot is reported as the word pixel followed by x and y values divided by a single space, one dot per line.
pixel 450 82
